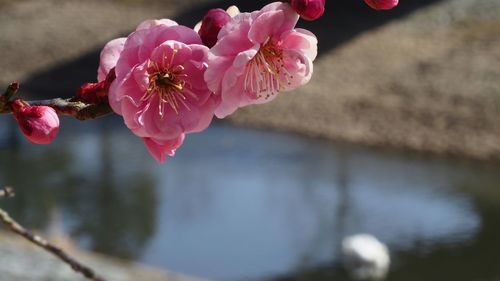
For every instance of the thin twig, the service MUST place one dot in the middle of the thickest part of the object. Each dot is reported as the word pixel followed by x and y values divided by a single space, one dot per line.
pixel 39 241
pixel 9 93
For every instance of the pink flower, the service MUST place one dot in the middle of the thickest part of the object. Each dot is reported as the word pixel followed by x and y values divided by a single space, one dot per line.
pixel 211 24
pixel 382 4
pixel 39 124
pixel 309 9
pixel 159 87
pixel 258 55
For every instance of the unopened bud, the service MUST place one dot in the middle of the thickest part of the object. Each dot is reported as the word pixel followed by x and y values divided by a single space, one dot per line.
pixel 96 92
pixel 211 24
pixel 309 9
pixel 39 124
pixel 382 4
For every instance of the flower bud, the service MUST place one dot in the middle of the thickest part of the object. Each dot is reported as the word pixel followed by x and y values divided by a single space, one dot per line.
pixel 96 92
pixel 211 24
pixel 382 4
pixel 39 124
pixel 309 9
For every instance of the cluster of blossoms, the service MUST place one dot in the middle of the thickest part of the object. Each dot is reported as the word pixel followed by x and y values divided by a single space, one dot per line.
pixel 171 79
pixel 167 80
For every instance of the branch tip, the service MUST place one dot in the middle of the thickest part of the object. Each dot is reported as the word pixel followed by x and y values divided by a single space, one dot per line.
pixel 18 229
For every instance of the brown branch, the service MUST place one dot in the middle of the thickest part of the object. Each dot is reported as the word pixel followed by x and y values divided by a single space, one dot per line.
pixel 90 102
pixel 70 107
pixel 9 93
pixel 18 229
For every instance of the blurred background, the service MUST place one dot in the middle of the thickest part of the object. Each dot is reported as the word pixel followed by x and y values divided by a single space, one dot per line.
pixel 397 135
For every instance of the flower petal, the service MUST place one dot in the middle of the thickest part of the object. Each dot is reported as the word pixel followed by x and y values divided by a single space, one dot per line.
pixel 160 149
pixel 301 39
pixel 147 24
pixel 261 29
pixel 109 56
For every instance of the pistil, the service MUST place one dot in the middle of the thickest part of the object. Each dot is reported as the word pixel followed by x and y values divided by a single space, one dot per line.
pixel 165 81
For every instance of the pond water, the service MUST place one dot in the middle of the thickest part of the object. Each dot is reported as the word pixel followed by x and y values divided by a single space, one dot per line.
pixel 241 204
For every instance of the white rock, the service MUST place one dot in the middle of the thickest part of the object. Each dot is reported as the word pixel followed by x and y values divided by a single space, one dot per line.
pixel 365 257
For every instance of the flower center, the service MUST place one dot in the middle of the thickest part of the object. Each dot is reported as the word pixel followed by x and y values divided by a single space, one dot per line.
pixel 165 82
pixel 266 74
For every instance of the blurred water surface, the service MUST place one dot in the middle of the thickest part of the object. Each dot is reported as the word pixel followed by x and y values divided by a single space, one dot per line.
pixel 243 204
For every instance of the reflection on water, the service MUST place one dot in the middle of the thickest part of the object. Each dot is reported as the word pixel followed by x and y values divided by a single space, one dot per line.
pixel 239 204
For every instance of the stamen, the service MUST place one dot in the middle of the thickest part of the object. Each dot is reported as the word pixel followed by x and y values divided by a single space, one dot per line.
pixel 166 83
pixel 266 74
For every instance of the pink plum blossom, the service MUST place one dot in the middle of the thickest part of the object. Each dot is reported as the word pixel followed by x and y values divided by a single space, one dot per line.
pixel 382 4
pixel 258 55
pixel 309 9
pixel 38 123
pixel 159 87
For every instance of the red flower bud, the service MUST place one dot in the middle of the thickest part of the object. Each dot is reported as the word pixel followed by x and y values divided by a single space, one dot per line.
pixel 211 24
pixel 309 9
pixel 382 4
pixel 96 92
pixel 39 124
